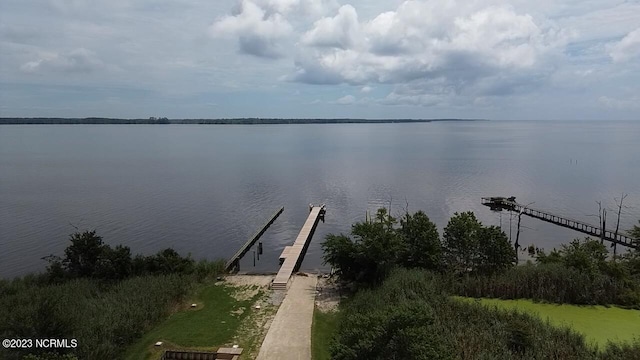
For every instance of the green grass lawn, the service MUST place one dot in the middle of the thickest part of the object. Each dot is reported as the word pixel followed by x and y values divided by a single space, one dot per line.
pixel 322 329
pixel 211 324
pixel 599 324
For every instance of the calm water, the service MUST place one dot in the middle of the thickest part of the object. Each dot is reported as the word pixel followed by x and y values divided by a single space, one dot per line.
pixel 204 189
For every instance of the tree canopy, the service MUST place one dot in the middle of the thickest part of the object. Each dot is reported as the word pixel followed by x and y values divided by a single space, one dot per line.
pixel 89 257
pixel 375 247
pixel 470 247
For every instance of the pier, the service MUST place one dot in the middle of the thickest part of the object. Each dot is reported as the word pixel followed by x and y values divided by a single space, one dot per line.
pixel 292 255
pixel 233 264
pixel 502 203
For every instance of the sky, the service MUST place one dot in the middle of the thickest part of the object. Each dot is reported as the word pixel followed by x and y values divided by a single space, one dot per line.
pixel 489 59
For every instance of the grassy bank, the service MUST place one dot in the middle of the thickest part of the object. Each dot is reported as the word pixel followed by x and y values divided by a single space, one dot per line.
pixel 104 317
pixel 212 323
pixel 411 315
pixel 599 324
pixel 322 330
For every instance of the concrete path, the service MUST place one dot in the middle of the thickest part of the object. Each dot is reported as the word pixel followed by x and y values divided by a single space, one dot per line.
pixel 289 336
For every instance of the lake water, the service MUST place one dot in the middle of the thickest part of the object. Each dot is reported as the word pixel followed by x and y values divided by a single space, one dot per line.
pixel 204 189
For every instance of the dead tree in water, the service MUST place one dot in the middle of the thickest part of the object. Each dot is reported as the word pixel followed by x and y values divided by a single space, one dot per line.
pixel 516 245
pixel 602 216
pixel 615 235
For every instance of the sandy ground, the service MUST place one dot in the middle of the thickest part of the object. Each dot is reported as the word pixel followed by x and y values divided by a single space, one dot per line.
pixel 249 280
pixel 283 323
pixel 253 328
pixel 327 294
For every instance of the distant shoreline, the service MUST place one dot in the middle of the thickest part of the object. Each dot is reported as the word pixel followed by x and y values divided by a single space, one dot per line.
pixel 230 121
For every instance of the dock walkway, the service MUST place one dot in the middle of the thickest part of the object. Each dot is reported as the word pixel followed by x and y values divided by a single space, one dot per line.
pixel 294 254
pixel 234 262
pixel 289 336
pixel 497 203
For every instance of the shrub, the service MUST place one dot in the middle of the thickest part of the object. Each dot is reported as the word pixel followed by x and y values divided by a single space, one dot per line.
pixel 410 317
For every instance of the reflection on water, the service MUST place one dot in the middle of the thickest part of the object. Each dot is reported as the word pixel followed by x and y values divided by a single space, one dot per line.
pixel 204 189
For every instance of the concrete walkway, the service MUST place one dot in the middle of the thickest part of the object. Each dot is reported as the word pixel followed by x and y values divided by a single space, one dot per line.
pixel 289 336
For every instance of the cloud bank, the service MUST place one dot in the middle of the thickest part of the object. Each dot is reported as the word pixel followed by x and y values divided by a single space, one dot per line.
pixel 626 49
pixel 432 48
pixel 309 58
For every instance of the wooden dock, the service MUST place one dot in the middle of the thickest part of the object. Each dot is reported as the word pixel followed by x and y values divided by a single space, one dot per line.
pixel 502 203
pixel 294 254
pixel 234 261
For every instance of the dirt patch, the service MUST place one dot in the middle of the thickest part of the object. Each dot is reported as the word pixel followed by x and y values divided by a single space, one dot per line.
pixel 238 312
pixel 248 286
pixel 250 280
pixel 244 293
pixel 254 327
pixel 328 294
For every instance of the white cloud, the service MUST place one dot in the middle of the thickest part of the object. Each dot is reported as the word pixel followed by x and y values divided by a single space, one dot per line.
pixel 538 58
pixel 341 31
pixel 346 100
pixel 459 44
pixel 265 28
pixel 260 32
pixel 78 60
pixel 626 49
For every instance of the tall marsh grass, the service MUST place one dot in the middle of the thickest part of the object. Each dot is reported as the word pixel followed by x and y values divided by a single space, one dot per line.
pixel 412 316
pixel 104 316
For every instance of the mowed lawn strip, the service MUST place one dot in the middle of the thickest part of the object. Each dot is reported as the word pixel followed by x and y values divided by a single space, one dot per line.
pixel 211 324
pixel 599 324
pixel 322 330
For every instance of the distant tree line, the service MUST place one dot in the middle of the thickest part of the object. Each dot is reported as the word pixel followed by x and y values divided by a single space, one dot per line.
pixel 272 121
pixel 229 121
pixel 90 121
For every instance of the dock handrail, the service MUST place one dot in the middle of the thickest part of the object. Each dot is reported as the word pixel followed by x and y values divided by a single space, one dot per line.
pixel 233 261
pixel 498 203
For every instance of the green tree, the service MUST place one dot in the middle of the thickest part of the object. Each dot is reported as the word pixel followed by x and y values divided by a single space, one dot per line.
pixel 589 255
pixel 422 248
pixel 378 247
pixel 168 261
pixel 635 233
pixel 460 242
pixel 373 249
pixel 114 264
pixel 82 256
pixel 340 252
pixel 471 247
pixel 495 251
pixel 554 257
